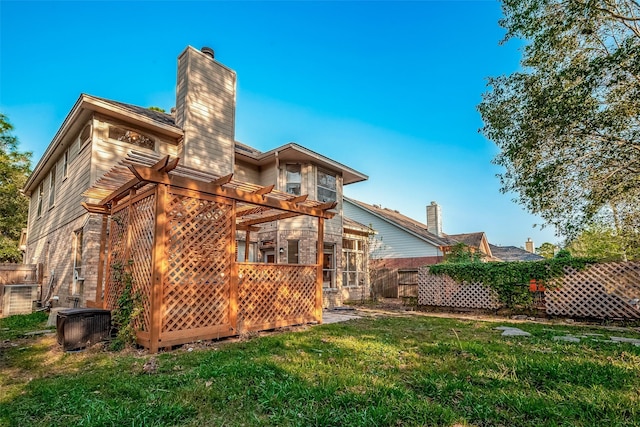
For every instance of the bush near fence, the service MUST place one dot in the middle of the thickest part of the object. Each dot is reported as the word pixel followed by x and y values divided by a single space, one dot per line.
pixel 603 291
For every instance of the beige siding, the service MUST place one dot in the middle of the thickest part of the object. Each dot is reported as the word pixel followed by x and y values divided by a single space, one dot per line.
pixel 248 173
pixel 107 152
pixel 205 109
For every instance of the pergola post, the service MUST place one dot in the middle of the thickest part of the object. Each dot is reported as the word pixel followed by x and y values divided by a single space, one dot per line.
pixel 233 283
pixel 319 261
pixel 101 266
pixel 158 270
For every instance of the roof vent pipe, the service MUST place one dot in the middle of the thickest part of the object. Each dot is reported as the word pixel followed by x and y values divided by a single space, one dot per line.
pixel 208 51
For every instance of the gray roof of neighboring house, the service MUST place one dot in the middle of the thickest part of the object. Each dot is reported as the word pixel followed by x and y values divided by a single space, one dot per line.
pixel 469 239
pixel 402 221
pixel 513 253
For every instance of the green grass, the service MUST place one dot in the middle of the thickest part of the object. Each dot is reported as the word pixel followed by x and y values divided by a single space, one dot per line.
pixel 15 326
pixel 390 371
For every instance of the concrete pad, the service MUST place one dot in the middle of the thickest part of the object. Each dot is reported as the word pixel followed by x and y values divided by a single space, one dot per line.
pixel 330 316
pixel 508 331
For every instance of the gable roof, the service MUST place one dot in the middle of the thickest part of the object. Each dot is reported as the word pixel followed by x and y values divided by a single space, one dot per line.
pixel 513 253
pixel 404 222
pixel 469 239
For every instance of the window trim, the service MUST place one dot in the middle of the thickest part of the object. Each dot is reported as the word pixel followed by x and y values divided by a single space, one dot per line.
pixel 288 181
pixel 318 186
pixel 40 199
pixel 52 186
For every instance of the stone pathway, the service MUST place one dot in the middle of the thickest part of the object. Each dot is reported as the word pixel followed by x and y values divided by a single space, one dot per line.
pixel 508 331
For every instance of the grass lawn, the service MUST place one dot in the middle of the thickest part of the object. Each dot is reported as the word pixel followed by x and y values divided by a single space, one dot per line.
pixel 374 371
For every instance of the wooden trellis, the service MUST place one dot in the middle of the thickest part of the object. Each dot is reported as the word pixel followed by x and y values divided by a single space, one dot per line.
pixel 172 229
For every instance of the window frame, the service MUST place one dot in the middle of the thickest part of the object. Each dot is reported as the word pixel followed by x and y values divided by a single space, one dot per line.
pixel 40 199
pixel 288 175
pixel 325 188
pixel 357 251
pixel 52 186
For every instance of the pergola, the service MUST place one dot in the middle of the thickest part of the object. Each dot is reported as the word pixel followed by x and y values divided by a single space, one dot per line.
pixel 173 230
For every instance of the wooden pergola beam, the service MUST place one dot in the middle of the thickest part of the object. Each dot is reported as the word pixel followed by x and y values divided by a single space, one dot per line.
pixel 264 190
pixel 162 165
pixel 298 199
pixel 96 209
pixel 150 175
pixel 222 180
pixel 270 218
pixel 250 228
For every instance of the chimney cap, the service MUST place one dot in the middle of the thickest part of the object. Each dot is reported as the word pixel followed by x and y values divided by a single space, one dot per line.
pixel 208 51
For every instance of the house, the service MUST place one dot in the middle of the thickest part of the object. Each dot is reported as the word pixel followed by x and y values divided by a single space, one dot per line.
pixel 99 133
pixel 401 245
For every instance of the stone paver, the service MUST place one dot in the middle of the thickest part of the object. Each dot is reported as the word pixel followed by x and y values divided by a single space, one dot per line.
pixel 508 331
pixel 332 316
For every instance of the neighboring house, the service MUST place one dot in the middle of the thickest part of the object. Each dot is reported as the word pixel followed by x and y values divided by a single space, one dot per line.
pixel 401 245
pixel 98 133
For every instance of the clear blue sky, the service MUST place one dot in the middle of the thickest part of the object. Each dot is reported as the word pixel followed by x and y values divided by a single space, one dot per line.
pixel 389 89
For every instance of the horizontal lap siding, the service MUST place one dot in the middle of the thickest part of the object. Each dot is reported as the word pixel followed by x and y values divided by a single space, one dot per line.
pixel 392 241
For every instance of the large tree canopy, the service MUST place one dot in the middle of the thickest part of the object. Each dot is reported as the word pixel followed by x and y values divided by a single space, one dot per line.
pixel 15 167
pixel 568 124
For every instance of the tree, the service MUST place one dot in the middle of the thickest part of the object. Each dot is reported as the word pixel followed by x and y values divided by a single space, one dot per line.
pixel 15 167
pixel 602 242
pixel 568 124
pixel 547 250
pixel 461 253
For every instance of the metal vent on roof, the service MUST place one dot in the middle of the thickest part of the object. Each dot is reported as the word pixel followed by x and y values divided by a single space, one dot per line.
pixel 208 51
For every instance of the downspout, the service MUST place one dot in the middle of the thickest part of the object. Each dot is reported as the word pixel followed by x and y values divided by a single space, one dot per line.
pixel 276 249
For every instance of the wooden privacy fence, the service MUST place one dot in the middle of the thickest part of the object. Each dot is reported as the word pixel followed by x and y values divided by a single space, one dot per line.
pixel 604 291
pixel 172 238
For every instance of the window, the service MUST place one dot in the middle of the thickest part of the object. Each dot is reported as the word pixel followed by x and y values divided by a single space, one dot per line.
pixel 65 163
pixel 353 273
pixel 293 248
pixel 77 262
pixel 52 186
pixel 240 247
pixel 131 137
pixel 329 266
pixel 40 196
pixel 294 179
pixel 326 186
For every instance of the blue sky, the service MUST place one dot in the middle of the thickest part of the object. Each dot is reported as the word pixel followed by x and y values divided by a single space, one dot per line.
pixel 387 88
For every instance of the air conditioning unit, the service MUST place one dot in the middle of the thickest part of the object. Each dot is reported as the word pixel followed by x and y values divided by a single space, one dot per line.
pixel 80 327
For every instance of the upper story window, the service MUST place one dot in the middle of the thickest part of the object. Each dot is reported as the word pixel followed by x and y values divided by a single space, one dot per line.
pixel 65 163
pixel 326 186
pixel 40 196
pixel 52 186
pixel 294 179
pixel 131 137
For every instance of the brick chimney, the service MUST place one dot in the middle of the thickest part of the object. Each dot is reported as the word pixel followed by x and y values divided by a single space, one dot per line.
pixel 206 110
pixel 434 219
pixel 529 246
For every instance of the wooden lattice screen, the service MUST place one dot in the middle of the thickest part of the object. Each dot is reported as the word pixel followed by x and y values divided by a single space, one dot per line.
pixel 443 291
pixel 272 295
pixel 179 248
pixel 605 291
pixel 199 254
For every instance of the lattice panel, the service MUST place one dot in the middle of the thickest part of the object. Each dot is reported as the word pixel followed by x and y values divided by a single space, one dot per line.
pixel 270 292
pixel 604 291
pixel 118 224
pixel 443 291
pixel 196 286
pixel 142 228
